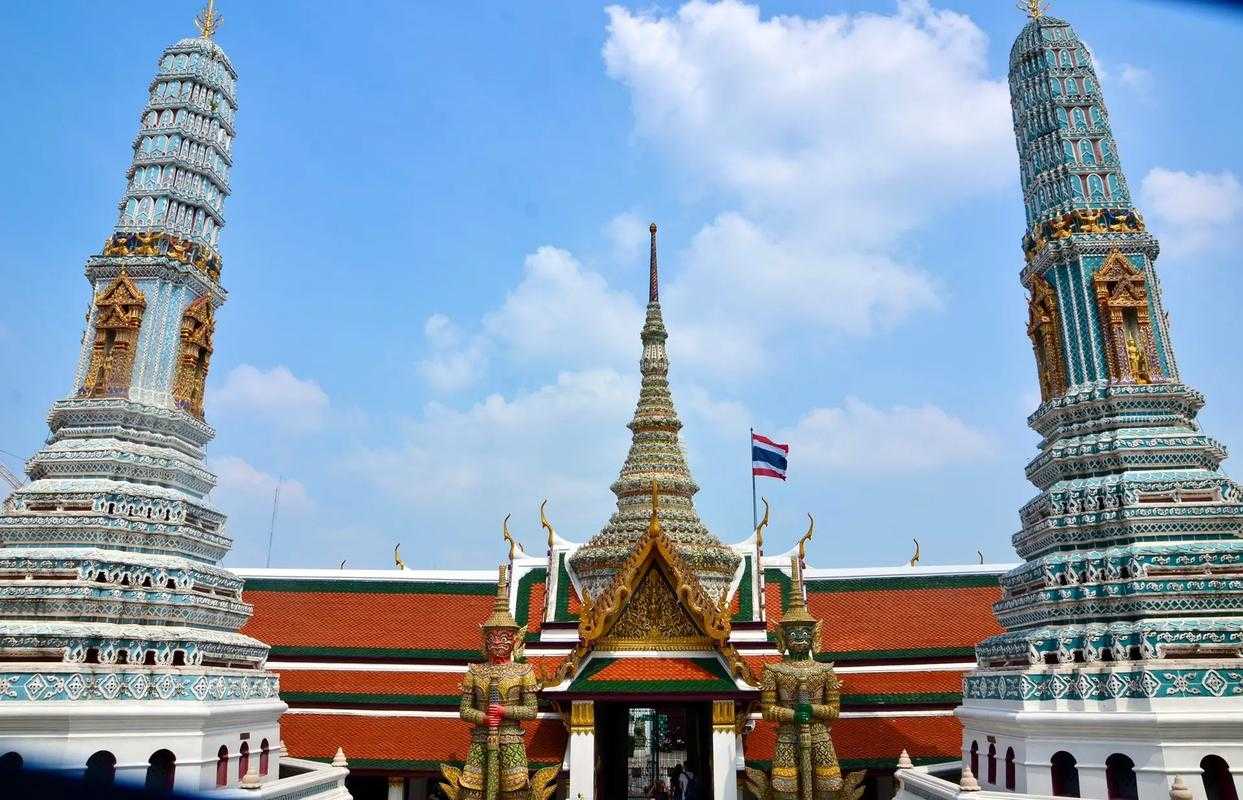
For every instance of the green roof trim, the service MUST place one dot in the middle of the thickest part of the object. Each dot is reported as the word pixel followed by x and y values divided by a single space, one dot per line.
pixel 746 610
pixel 882 584
pixel 379 653
pixel 351 586
pixel 824 586
pixel 367 699
pixel 562 613
pixel 523 609
pixel 885 655
pixel 916 699
pixel 452 701
pixel 720 680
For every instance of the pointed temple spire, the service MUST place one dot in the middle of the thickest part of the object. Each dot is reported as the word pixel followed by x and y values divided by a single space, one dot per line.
pixel 655 456
pixel 653 280
pixel 208 22
pixel 1111 607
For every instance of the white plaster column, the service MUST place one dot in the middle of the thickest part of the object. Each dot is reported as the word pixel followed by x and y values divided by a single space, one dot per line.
pixel 396 787
pixel 724 751
pixel 582 750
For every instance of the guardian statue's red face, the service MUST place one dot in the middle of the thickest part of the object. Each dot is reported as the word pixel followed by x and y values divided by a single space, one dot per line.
pixel 499 644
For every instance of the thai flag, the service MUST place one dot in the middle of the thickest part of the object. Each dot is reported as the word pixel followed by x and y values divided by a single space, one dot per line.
pixel 768 459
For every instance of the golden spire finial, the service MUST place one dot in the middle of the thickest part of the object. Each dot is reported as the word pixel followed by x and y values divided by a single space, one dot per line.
pixel 208 21
pixel 653 279
pixel 1034 8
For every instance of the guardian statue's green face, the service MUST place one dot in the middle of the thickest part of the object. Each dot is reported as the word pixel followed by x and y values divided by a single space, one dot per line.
pixel 798 639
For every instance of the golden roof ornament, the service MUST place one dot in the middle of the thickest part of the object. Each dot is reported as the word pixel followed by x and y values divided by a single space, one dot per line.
pixel 514 546
pixel 759 529
pixel 397 562
pixel 546 525
pixel 501 618
pixel 915 558
pixel 802 543
pixel 1034 8
pixel 208 21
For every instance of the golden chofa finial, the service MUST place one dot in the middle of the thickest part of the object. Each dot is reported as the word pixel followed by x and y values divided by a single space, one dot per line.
pixel 509 537
pixel 759 529
pixel 802 543
pixel 546 525
pixel 1034 8
pixel 915 558
pixel 208 21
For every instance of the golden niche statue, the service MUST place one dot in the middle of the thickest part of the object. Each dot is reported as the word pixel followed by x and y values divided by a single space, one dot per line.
pixel 497 696
pixel 803 696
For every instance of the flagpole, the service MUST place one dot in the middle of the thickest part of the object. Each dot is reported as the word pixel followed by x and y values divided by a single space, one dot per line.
pixel 751 445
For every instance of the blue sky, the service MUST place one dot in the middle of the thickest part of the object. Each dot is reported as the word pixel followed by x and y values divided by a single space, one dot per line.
pixel 436 254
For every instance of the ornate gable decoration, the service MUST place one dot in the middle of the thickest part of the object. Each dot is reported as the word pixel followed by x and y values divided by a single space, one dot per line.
pixel 118 316
pixel 654 603
pixel 120 305
pixel 1043 327
pixel 197 325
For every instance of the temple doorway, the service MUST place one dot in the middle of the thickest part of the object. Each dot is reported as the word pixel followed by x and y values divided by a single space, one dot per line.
pixel 639 744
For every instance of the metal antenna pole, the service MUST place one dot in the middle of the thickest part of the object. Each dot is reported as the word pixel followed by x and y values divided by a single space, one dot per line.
pixel 276 499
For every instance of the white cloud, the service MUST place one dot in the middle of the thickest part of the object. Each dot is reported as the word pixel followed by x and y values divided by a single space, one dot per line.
pixel 1192 212
pixel 562 440
pixel 451 366
pixel 627 236
pixel 1137 79
pixel 737 271
pixel 831 120
pixel 565 313
pixel 858 437
pixel 240 486
pixel 275 396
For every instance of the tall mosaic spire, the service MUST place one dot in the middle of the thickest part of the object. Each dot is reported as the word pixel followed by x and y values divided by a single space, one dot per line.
pixel 113 610
pixel 655 455
pixel 1126 614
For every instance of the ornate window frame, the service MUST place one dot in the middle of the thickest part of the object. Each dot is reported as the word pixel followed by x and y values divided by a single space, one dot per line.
pixel 118 317
pixel 1120 286
pixel 197 325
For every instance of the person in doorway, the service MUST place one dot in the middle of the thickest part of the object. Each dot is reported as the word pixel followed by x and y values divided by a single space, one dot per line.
pixel 675 781
pixel 690 782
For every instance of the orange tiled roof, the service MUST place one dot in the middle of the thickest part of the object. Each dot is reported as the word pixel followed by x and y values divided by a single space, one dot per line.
pixel 439 624
pixel 406 741
pixel 368 682
pixel 896 619
pixel 866 740
pixel 899 683
pixel 535 605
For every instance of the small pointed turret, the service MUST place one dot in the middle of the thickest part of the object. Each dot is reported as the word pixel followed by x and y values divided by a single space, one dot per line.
pixel 655 456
